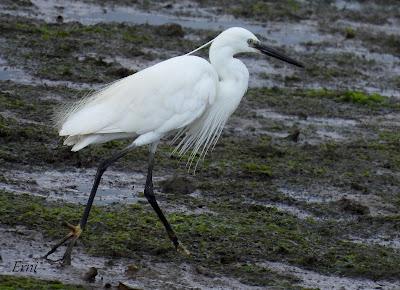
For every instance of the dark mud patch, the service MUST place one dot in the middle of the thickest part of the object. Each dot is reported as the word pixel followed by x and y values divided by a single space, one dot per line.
pixel 178 185
pixel 157 268
pixel 74 52
pixel 20 244
pixel 333 60
pixel 229 242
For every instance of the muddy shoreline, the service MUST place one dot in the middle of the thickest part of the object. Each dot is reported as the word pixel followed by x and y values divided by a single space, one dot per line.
pixel 301 192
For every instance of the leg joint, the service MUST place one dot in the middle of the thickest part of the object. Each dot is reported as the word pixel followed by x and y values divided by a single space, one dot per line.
pixel 149 194
pixel 103 166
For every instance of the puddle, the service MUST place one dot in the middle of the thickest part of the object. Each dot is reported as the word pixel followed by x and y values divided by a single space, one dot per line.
pixel 381 240
pixel 390 62
pixel 385 28
pixel 293 35
pixel 299 213
pixel 20 244
pixel 87 14
pixel 384 92
pixel 349 5
pixel 316 280
pixel 334 122
pixel 388 120
pixel 8 73
pixel 11 73
pixel 315 130
pixel 316 194
pixel 74 185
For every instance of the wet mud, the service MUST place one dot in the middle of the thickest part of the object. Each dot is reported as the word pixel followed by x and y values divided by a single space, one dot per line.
pixel 301 192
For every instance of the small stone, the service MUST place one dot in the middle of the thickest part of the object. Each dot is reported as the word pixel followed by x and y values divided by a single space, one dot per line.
pixel 132 269
pixel 60 19
pixel 359 187
pixel 171 29
pixel 107 285
pixel 352 207
pixel 90 275
pixel 302 116
pixel 294 136
pixel 178 185
pixel 204 271
pixel 121 72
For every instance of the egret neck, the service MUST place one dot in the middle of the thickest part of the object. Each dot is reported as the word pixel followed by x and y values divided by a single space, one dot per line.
pixel 233 76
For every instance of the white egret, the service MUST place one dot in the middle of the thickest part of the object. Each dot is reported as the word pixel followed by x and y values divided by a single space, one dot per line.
pixel 186 95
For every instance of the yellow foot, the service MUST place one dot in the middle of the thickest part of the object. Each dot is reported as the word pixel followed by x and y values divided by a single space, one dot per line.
pixel 73 235
pixel 182 250
pixel 76 231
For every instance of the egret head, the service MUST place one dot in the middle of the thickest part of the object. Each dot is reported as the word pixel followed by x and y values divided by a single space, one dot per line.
pixel 240 40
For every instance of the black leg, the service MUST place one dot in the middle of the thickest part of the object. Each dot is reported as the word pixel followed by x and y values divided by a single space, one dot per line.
pixel 77 230
pixel 149 194
pixel 100 170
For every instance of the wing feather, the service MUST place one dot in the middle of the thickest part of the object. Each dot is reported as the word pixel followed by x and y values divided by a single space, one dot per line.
pixel 166 96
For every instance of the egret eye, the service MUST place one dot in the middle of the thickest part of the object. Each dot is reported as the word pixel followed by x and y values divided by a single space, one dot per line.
pixel 252 42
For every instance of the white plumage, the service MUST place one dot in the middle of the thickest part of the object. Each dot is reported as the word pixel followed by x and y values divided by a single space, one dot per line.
pixel 148 104
pixel 184 94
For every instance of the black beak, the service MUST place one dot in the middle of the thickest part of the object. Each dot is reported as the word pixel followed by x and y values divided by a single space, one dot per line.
pixel 274 53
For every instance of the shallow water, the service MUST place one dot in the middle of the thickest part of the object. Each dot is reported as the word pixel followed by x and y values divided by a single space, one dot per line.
pixel 315 130
pixel 289 34
pixel 313 279
pixel 11 73
pixel 74 185
pixel 294 36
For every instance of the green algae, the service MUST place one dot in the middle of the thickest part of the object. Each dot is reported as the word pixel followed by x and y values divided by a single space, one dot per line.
pixel 294 10
pixel 349 32
pixel 377 42
pixel 372 101
pixel 362 98
pixel 262 170
pixel 75 52
pixel 288 10
pixel 239 233
pixel 38 143
pixel 8 282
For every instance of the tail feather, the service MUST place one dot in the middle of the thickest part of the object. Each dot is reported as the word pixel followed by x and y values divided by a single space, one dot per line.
pixel 81 141
pixel 84 141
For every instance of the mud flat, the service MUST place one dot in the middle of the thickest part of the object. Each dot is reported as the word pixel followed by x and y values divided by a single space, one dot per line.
pixel 301 192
